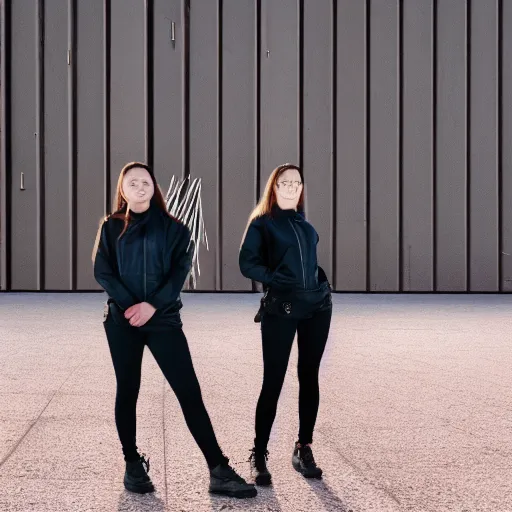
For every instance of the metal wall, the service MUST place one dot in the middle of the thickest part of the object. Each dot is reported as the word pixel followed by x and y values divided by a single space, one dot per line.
pixel 397 110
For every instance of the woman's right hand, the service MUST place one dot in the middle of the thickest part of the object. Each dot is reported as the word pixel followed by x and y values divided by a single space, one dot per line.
pixel 139 314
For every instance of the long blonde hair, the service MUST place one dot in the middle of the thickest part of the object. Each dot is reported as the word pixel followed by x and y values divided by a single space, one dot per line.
pixel 268 199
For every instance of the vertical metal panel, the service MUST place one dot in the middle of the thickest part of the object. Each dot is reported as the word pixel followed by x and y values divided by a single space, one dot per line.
pixel 451 146
pixel 57 137
pixel 5 126
pixel 90 134
pixel 317 124
pixel 279 118
pixel 25 135
pixel 204 128
pixel 384 144
pixel 506 147
pixel 417 159
pixel 168 97
pixel 351 97
pixel 484 238
pixel 214 123
pixel 239 69
pixel 128 48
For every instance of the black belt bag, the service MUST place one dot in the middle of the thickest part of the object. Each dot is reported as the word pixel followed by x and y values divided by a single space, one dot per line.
pixel 297 304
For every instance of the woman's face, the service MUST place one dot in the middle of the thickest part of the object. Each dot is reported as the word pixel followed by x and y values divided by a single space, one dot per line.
pixel 289 187
pixel 138 188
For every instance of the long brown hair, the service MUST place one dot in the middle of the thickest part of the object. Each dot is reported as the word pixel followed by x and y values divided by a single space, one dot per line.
pixel 121 210
pixel 269 199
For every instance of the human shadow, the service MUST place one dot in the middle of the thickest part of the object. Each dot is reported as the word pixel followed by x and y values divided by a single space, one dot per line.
pixel 266 496
pixel 149 502
pixel 330 500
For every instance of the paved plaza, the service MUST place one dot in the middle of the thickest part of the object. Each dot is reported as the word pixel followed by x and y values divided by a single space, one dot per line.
pixel 415 412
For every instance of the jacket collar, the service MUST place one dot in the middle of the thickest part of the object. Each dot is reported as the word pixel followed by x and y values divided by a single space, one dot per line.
pixel 139 215
pixel 278 212
pixel 139 221
pixel 144 216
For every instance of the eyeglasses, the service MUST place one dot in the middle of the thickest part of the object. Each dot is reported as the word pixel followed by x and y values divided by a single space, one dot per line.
pixel 287 184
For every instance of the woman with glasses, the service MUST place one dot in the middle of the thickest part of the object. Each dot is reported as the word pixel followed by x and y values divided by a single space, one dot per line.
pixel 279 250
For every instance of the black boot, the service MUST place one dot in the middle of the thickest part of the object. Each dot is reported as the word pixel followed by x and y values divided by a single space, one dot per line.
pixel 136 478
pixel 258 462
pixel 224 480
pixel 304 462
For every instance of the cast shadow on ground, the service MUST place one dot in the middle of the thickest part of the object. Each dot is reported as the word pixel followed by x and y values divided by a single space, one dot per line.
pixel 266 500
pixel 330 500
pixel 150 502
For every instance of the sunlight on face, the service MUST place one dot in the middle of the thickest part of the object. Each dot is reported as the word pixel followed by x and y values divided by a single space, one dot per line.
pixel 289 187
pixel 137 186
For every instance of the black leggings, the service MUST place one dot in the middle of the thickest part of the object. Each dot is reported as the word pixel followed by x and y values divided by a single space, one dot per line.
pixel 170 349
pixel 278 334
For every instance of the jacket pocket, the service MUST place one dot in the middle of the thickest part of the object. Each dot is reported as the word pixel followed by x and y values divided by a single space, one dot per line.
pixel 116 314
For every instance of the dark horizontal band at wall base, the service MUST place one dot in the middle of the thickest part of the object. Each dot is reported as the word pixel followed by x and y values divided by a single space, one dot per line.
pixel 239 292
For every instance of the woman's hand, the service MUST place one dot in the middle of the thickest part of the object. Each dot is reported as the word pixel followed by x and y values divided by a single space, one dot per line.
pixel 139 314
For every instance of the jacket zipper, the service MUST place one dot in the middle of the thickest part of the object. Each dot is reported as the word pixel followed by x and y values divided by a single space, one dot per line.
pixel 300 250
pixel 145 268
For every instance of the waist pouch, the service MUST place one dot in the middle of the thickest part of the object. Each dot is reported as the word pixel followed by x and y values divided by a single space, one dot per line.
pixel 296 304
pixel 163 318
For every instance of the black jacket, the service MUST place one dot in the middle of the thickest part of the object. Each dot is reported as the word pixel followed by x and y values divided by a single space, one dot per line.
pixel 149 263
pixel 279 251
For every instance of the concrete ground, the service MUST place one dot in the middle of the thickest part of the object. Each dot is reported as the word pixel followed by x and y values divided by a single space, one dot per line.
pixel 415 412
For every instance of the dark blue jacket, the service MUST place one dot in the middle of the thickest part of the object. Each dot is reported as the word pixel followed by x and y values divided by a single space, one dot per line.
pixel 149 263
pixel 279 251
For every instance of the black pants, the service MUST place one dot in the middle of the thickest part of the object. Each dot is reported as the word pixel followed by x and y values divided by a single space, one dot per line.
pixel 170 350
pixel 278 334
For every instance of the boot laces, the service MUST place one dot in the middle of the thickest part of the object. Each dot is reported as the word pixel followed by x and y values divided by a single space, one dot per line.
pixel 231 474
pixel 258 459
pixel 142 467
pixel 306 454
pixel 145 462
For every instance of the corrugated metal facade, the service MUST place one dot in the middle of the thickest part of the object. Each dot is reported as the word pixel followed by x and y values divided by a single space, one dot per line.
pixel 398 111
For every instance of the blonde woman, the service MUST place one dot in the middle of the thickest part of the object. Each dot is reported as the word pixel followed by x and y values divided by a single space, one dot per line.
pixel 279 251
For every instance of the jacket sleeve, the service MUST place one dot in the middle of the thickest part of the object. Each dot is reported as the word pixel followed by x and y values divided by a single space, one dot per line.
pixel 105 274
pixel 181 263
pixel 251 261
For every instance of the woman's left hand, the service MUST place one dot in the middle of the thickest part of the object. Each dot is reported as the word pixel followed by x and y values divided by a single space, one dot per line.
pixel 139 314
